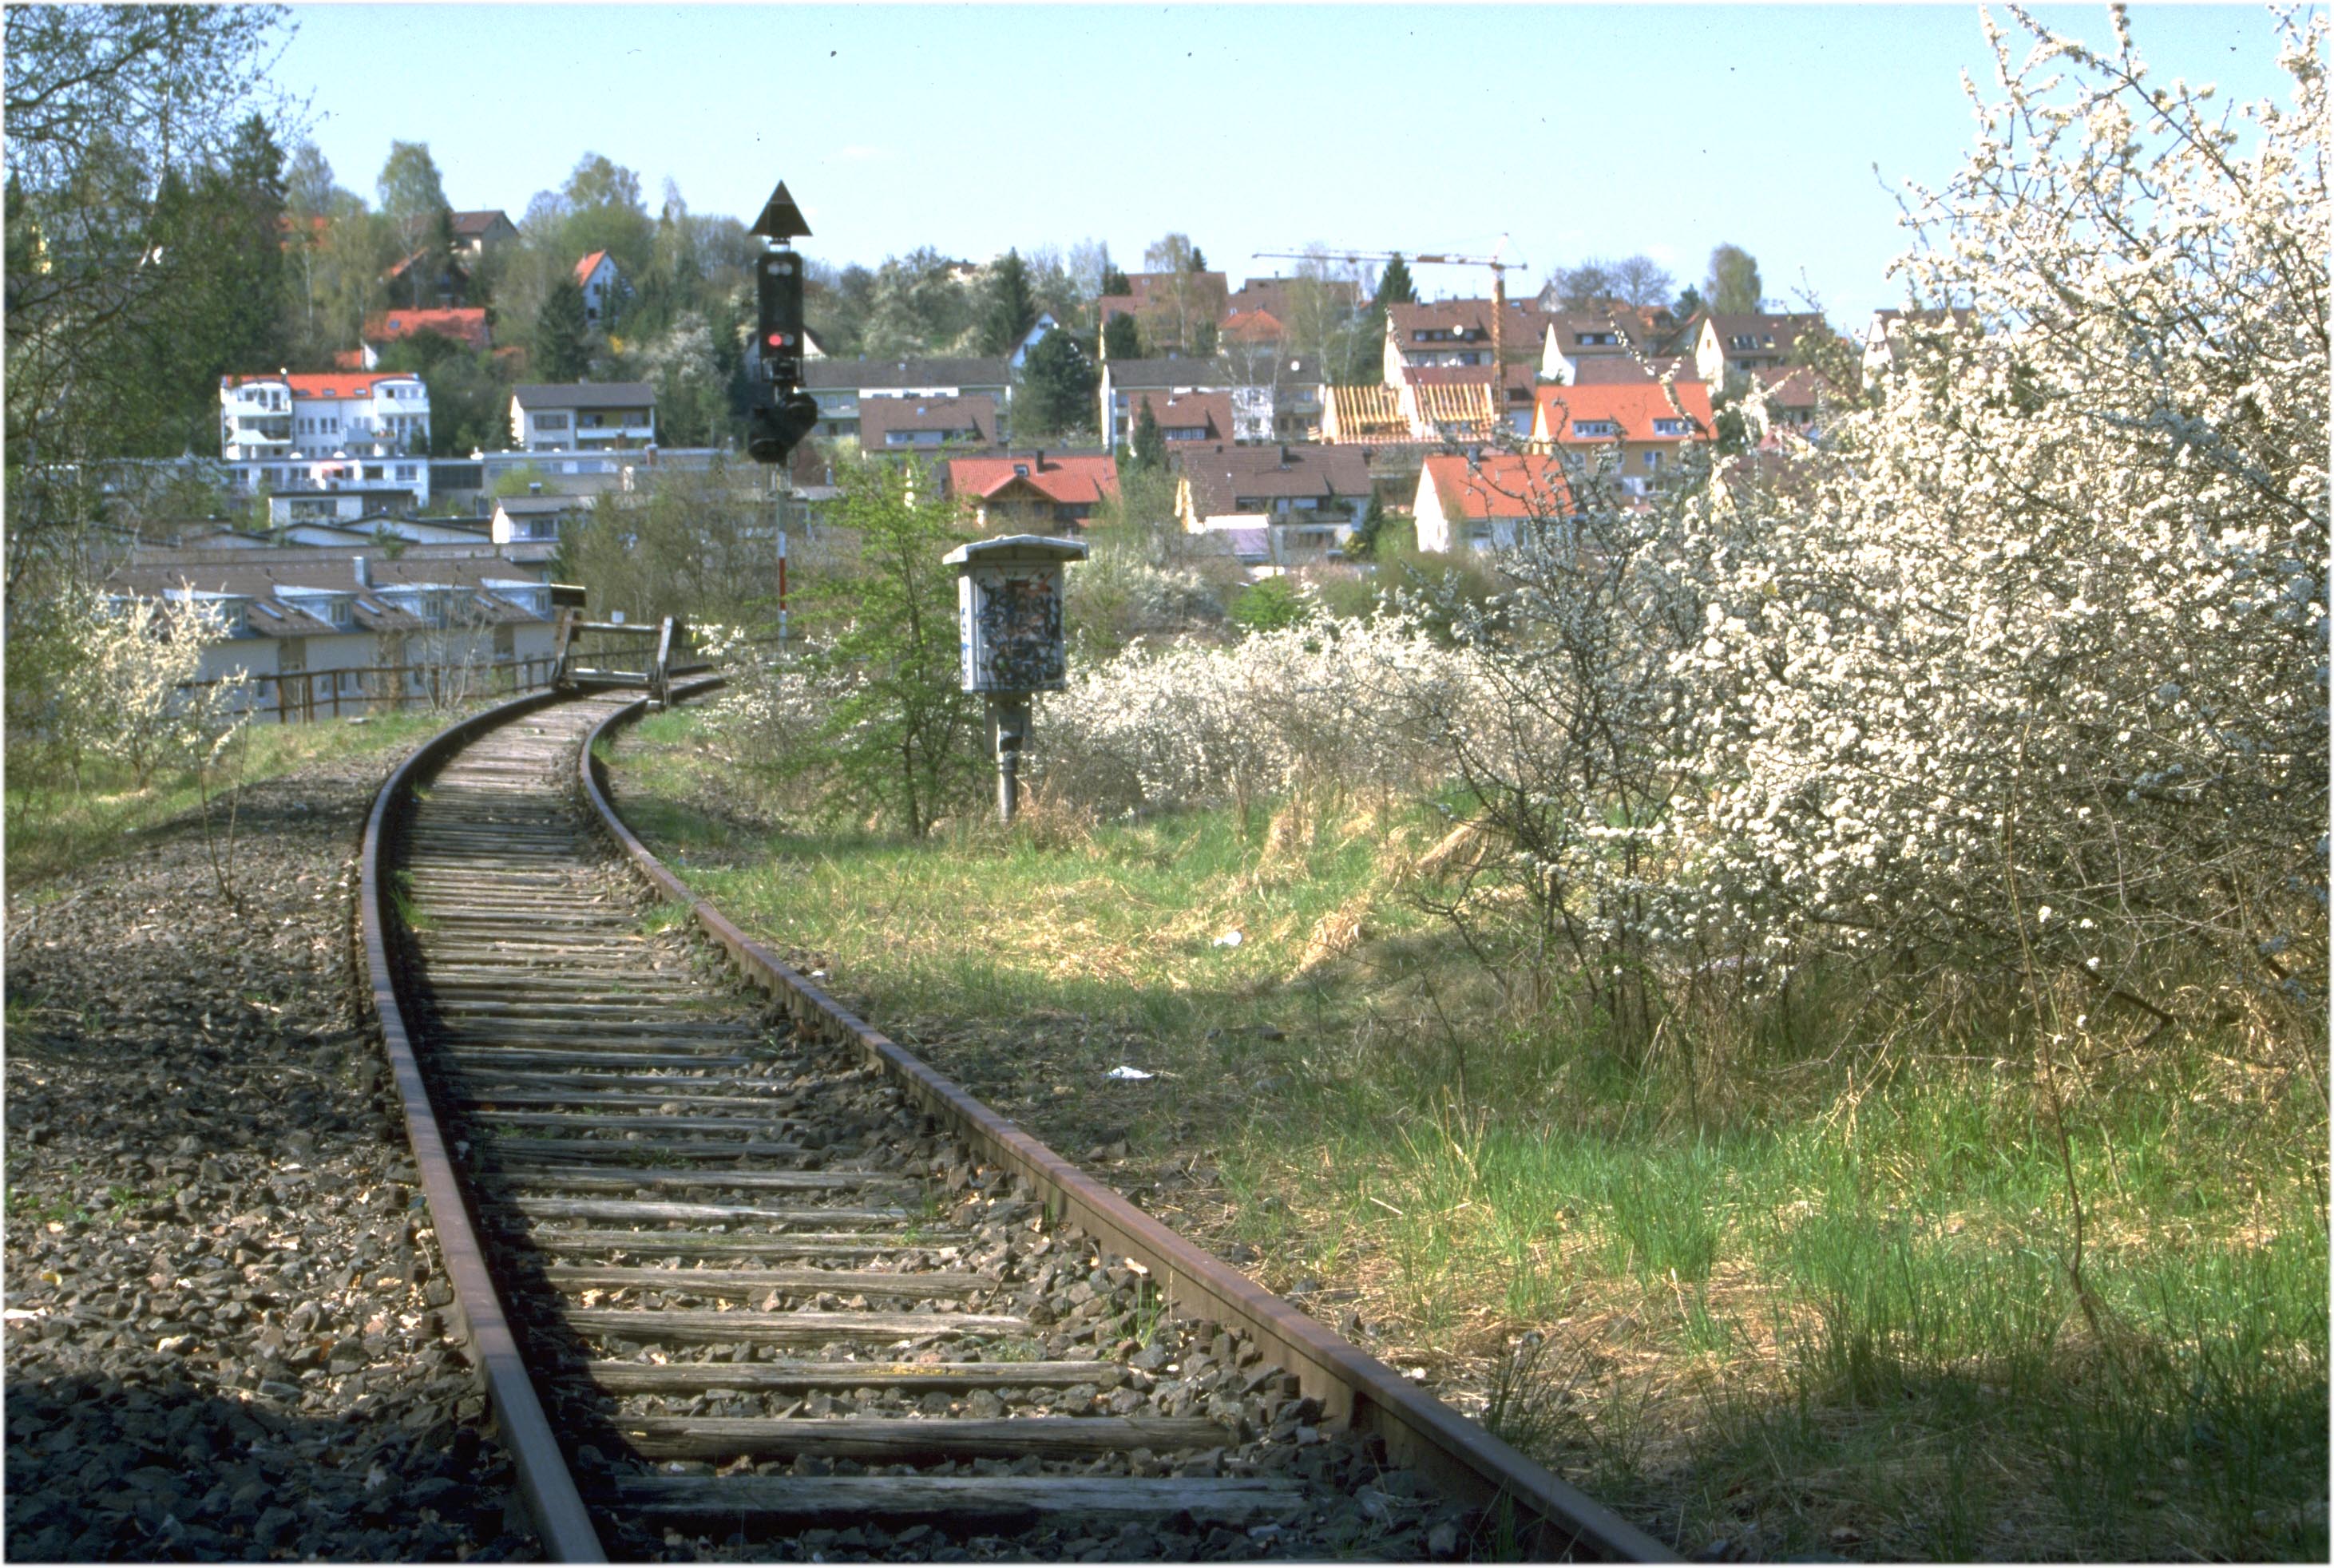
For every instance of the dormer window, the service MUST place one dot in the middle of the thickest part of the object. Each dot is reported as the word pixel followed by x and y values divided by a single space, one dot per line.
pixel 1745 341
pixel 1591 430
pixel 1672 427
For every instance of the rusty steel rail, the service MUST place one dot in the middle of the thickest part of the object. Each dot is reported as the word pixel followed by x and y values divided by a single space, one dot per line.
pixel 545 1482
pixel 1555 1518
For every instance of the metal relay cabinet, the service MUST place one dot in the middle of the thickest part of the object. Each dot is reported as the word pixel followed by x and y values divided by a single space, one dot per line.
pixel 1009 637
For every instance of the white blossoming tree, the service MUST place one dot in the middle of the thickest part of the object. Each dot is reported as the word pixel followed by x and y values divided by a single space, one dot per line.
pixel 2029 673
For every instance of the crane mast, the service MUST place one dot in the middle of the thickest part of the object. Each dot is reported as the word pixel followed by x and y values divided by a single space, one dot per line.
pixel 1499 299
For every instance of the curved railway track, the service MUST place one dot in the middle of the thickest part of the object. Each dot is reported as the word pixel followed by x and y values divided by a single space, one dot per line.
pixel 733 1267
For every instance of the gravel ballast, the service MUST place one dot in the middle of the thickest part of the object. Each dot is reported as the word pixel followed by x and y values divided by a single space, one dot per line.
pixel 226 1334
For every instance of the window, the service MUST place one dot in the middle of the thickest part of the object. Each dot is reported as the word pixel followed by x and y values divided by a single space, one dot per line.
pixel 1587 430
pixel 551 421
pixel 1672 427
pixel 1593 339
pixel 1652 461
pixel 405 470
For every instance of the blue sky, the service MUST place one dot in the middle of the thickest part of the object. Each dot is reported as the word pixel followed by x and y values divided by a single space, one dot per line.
pixel 1577 131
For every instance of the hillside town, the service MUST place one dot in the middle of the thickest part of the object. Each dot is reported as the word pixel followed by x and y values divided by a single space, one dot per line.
pixel 495 391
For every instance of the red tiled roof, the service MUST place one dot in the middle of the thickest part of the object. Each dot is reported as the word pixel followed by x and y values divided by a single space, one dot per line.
pixel 350 359
pixel 1073 481
pixel 464 326
pixel 331 384
pixel 1253 326
pixel 1500 485
pixel 584 268
pixel 1633 406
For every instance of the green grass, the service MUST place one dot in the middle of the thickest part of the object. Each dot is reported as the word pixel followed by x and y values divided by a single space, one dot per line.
pixel 1797 1283
pixel 55 826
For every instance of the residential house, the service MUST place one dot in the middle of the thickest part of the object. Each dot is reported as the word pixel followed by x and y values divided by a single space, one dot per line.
pixel 1646 426
pixel 1454 403
pixel 1492 501
pixel 345 504
pixel 1122 380
pixel 331 622
pixel 1029 340
pixel 1600 369
pixel 1459 333
pixel 1364 416
pixel 324 431
pixel 584 417
pixel 1885 335
pixel 1283 298
pixel 896 425
pixel 842 387
pixel 1308 497
pixel 1035 494
pixel 1257 326
pixel 1793 401
pixel 1172 308
pixel 476 233
pixel 1580 345
pixel 1276 394
pixel 535 519
pixel 1184 417
pixel 466 327
pixel 428 277
pixel 596 276
pixel 1737 345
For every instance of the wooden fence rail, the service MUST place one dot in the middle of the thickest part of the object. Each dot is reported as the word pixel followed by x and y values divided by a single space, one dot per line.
pixel 304 695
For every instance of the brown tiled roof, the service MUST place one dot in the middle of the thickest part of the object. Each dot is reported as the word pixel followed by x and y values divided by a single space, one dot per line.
pixel 1772 333
pixel 1276 296
pixel 1222 475
pixel 1790 386
pixel 272 618
pixel 1210 411
pixel 1591 369
pixel 1522 331
pixel 880 415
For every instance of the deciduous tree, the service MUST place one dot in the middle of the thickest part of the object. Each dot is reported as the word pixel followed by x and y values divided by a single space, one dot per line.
pixel 1733 287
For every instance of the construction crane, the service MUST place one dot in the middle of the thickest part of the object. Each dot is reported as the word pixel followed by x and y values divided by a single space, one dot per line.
pixel 1499 289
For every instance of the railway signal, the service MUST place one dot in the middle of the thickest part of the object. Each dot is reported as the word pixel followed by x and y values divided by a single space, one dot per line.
pixel 783 413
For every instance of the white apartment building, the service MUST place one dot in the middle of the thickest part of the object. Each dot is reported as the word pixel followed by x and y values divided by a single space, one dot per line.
pixel 327 431
pixel 582 417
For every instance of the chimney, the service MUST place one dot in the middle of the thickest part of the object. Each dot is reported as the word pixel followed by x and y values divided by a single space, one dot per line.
pixel 1040 461
pixel 1284 457
pixel 365 576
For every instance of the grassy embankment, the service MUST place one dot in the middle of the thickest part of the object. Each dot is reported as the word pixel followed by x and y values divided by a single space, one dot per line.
pixel 1813 1300
pixel 55 825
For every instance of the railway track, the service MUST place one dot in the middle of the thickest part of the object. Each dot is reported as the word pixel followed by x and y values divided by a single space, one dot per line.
pixel 742 1277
